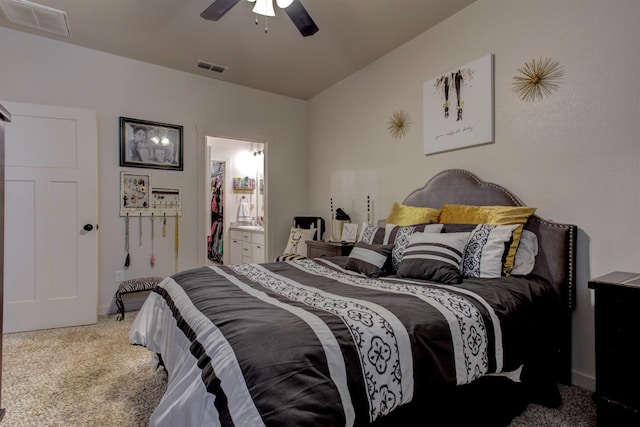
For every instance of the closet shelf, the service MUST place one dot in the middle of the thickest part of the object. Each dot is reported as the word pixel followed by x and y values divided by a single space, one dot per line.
pixel 244 190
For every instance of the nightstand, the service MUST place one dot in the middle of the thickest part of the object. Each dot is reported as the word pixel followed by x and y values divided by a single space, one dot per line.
pixel 617 299
pixel 321 249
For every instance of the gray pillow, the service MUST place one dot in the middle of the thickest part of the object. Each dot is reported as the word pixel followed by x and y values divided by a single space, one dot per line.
pixel 369 259
pixel 434 256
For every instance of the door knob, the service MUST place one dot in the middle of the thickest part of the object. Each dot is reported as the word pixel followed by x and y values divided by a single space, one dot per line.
pixel 88 227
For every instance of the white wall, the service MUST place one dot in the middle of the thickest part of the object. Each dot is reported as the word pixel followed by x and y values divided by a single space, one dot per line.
pixel 574 155
pixel 41 71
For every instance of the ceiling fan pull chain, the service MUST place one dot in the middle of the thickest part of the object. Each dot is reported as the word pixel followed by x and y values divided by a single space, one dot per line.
pixel 266 29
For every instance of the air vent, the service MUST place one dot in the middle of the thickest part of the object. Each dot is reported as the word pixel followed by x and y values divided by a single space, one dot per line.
pixel 211 67
pixel 33 15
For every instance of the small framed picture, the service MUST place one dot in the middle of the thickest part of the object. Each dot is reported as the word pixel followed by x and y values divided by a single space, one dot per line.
pixel 349 232
pixel 145 144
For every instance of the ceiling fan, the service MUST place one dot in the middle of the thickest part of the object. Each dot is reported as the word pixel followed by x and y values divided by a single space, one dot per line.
pixel 293 8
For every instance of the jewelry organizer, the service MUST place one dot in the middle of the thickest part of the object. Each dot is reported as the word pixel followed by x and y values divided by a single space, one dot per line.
pixel 139 198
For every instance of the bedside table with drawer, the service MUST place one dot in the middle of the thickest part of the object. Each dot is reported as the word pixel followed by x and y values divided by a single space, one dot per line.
pixel 617 298
pixel 321 249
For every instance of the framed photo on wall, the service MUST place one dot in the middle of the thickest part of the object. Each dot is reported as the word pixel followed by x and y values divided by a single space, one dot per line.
pixel 146 144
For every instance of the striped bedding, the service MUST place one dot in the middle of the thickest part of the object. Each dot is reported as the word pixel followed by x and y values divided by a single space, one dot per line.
pixel 309 343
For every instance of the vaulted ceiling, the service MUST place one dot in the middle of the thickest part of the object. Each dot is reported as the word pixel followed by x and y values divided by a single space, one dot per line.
pixel 171 33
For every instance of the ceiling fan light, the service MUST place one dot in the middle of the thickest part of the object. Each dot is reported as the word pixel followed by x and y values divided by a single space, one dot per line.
pixel 283 4
pixel 264 8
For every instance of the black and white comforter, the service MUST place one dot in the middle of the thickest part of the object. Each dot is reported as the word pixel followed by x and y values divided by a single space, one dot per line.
pixel 307 343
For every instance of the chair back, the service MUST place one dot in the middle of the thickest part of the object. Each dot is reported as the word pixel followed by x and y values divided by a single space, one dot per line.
pixel 310 222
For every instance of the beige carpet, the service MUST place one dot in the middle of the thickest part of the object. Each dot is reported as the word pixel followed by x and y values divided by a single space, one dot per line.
pixel 80 376
pixel 91 376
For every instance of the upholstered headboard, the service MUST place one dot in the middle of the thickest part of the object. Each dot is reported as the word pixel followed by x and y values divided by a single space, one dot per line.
pixel 556 242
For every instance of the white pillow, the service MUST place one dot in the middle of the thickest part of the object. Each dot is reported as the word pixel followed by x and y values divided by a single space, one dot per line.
pixel 485 250
pixel 297 238
pixel 526 255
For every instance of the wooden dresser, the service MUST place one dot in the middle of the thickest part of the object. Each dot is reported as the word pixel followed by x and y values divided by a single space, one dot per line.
pixel 617 329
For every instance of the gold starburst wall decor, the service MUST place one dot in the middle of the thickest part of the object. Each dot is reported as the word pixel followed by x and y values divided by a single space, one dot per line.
pixel 398 124
pixel 537 79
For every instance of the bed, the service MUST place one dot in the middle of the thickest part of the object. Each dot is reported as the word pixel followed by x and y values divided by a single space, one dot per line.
pixel 315 342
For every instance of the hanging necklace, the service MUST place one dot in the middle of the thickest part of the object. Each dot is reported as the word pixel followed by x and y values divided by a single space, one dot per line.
pixel 127 260
pixel 164 224
pixel 140 229
pixel 153 258
pixel 177 239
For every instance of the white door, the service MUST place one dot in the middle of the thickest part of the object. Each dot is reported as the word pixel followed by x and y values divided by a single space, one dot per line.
pixel 51 193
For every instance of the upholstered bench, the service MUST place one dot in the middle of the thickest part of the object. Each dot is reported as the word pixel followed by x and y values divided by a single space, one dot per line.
pixel 288 257
pixel 132 286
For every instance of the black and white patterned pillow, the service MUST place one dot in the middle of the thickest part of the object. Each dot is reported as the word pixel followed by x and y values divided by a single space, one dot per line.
pixel 369 259
pixel 371 235
pixel 434 256
pixel 485 253
pixel 398 236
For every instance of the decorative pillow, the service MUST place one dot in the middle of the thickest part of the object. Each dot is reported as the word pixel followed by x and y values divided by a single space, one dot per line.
pixel 498 215
pixel 297 238
pixel 370 234
pixel 368 259
pixel 434 256
pixel 458 228
pixel 410 215
pixel 398 236
pixel 526 254
pixel 486 250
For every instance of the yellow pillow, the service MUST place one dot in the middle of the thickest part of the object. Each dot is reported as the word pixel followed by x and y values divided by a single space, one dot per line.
pixel 410 215
pixel 498 215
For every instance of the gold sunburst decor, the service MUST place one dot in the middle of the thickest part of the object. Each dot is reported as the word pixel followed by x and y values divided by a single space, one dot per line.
pixel 537 79
pixel 398 124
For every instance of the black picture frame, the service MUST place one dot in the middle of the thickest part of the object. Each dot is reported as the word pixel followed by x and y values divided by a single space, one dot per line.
pixel 151 145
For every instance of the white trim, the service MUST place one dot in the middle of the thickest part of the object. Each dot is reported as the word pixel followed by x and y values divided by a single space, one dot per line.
pixel 583 380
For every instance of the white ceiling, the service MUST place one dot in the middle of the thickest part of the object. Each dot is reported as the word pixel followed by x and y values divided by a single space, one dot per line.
pixel 171 33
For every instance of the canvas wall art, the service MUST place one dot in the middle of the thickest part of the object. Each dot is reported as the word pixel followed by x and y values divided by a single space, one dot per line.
pixel 458 107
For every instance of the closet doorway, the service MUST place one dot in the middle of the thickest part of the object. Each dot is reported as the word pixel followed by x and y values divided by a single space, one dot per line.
pixel 215 239
pixel 236 193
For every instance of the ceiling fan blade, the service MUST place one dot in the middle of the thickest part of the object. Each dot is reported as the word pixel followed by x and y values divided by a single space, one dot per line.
pixel 301 19
pixel 217 9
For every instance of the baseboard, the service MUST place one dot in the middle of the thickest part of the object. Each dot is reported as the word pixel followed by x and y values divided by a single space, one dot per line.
pixel 583 380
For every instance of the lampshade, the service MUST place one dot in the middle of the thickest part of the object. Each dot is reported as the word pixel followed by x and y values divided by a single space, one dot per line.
pixel 284 3
pixel 264 8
